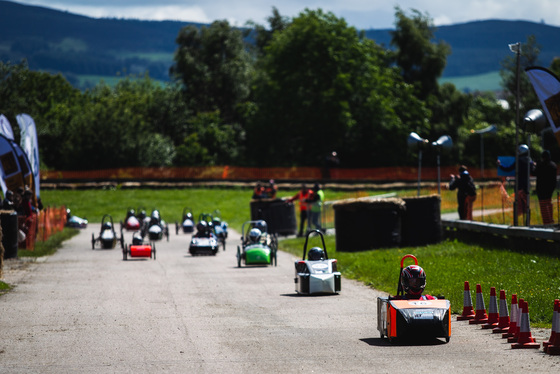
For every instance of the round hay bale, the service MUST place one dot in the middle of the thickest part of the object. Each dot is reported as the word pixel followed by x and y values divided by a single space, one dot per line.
pixel 421 223
pixel 363 224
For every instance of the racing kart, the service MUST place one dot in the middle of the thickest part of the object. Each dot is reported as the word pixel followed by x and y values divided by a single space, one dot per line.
pixel 187 222
pixel 75 221
pixel 204 242
pixel 400 318
pixel 317 274
pixel 107 237
pixel 155 227
pixel 131 221
pixel 139 248
pixel 220 227
pixel 257 247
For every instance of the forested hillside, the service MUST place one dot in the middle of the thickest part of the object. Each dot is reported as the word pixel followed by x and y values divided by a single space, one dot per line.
pixel 75 45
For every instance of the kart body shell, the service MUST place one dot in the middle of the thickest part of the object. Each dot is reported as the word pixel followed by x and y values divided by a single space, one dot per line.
pixel 187 222
pixel 207 245
pixel 76 222
pixel 403 318
pixel 107 237
pixel 262 252
pixel 139 248
pixel 155 227
pixel 317 277
pixel 398 319
pixel 131 222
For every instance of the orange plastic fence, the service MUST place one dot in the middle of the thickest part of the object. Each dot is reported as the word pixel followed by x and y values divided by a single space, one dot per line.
pixel 247 173
pixel 41 226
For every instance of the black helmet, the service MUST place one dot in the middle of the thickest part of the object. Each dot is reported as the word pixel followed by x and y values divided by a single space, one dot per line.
pixel 316 254
pixel 201 226
pixel 107 226
pixel 413 280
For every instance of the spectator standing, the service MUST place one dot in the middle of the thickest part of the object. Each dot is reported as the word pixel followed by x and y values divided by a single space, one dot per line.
pixel 302 196
pixel 466 192
pixel 523 175
pixel 545 171
pixel 271 190
pixel 258 192
pixel 316 202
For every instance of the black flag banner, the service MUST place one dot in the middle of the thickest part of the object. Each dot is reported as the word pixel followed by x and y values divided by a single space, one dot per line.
pixel 547 88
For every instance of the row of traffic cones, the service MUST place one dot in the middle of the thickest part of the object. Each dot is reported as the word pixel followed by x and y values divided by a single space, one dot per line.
pixel 517 328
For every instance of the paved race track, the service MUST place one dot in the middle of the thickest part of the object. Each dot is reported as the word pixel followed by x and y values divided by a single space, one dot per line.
pixel 88 311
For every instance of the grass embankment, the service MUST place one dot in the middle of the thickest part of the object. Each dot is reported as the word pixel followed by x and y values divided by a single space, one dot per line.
pixel 449 264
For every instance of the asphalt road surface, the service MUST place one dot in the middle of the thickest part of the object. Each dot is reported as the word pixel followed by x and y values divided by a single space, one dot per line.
pixel 88 311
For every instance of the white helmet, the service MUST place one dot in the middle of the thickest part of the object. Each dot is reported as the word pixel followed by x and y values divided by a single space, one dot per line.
pixel 254 235
pixel 522 149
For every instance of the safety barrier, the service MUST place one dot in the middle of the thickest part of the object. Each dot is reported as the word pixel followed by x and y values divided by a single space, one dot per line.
pixel 239 173
pixel 41 226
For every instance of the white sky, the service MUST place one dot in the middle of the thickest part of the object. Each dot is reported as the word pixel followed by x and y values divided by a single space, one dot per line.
pixel 362 14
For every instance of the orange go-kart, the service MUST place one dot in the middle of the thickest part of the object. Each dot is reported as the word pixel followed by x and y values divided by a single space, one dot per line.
pixel 399 318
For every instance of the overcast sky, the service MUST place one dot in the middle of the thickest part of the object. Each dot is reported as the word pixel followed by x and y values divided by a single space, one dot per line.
pixel 363 14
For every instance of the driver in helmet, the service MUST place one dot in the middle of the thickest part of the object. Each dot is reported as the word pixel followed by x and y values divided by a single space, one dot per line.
pixel 202 230
pixel 413 282
pixel 255 235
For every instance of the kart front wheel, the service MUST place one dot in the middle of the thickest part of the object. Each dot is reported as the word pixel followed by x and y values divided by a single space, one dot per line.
pixel 92 241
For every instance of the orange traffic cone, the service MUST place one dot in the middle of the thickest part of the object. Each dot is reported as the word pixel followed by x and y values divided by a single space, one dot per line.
pixel 553 330
pixel 513 339
pixel 480 315
pixel 503 319
pixel 493 315
pixel 468 311
pixel 553 344
pixel 513 320
pixel 525 339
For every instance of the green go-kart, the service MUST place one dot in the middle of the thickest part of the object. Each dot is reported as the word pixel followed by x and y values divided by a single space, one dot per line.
pixel 258 246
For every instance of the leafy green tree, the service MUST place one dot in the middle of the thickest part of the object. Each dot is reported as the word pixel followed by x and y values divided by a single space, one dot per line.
pixel 421 60
pixel 213 66
pixel 323 87
pixel 209 142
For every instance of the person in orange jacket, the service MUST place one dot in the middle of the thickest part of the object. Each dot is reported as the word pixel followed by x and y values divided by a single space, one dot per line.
pixel 302 196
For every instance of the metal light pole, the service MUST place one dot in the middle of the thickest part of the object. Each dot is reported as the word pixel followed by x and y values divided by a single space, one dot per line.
pixel 414 140
pixel 444 141
pixel 516 48
pixel 487 130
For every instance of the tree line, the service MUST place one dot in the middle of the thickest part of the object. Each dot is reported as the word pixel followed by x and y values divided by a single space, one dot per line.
pixel 284 94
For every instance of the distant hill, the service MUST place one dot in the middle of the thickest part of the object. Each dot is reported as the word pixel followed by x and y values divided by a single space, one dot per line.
pixel 81 46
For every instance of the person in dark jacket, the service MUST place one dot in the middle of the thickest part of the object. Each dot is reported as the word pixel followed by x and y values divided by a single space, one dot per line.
pixel 466 192
pixel 545 171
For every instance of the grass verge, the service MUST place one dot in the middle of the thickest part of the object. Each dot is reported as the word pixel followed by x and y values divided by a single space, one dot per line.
pixel 49 246
pixel 448 265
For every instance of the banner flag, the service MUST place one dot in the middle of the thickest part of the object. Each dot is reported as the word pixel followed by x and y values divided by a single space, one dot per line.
pixel 30 145
pixel 12 177
pixel 6 128
pixel 547 88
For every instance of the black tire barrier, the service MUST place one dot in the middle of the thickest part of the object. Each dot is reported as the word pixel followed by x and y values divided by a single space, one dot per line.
pixel 364 224
pixel 421 222
pixel 9 222
pixel 279 215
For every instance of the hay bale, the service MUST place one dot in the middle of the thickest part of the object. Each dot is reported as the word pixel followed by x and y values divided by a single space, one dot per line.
pixel 363 224
pixel 421 223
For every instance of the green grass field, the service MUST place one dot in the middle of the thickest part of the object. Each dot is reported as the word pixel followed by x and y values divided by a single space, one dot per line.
pixel 448 265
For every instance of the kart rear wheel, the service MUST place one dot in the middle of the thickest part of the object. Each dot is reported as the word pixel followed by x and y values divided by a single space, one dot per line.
pixel 125 250
pixel 224 244
pixel 154 250
pixel 92 241
pixel 238 257
pixel 176 228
